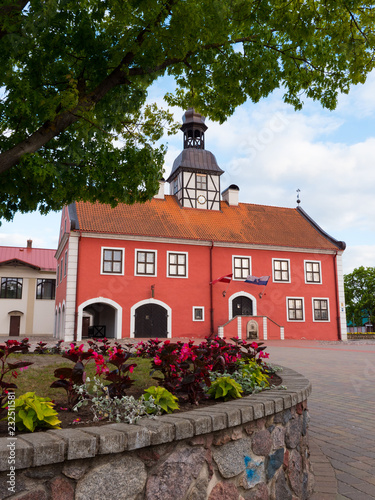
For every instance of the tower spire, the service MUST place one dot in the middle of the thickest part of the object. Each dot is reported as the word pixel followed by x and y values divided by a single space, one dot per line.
pixel 193 127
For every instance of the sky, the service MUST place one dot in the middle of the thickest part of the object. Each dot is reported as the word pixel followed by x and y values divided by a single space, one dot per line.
pixel 270 151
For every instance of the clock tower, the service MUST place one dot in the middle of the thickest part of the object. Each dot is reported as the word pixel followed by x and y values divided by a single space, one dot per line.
pixel 195 176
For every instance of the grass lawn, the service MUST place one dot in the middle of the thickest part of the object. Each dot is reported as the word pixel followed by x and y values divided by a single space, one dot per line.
pixel 39 376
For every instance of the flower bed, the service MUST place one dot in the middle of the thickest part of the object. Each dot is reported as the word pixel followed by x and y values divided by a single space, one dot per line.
pixel 186 373
pixel 255 446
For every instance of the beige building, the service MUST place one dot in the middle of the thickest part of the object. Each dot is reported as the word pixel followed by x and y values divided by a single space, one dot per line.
pixel 27 293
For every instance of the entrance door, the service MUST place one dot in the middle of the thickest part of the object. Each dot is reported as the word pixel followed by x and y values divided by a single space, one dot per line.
pixel 151 321
pixel 242 306
pixel 14 326
pixel 85 326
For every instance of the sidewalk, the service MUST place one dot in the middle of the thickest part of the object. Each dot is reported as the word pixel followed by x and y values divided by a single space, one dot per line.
pixel 342 413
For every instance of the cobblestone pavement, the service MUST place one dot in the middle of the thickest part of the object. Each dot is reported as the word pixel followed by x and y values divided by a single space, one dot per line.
pixel 342 413
pixel 341 407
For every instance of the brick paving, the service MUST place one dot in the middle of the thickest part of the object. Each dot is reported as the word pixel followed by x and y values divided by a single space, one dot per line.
pixel 342 412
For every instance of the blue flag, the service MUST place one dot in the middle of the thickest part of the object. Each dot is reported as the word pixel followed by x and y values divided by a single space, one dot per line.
pixel 263 280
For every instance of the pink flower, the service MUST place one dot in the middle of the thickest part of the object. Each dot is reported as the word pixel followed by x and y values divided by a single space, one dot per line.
pixel 254 345
pixel 157 361
pixel 131 368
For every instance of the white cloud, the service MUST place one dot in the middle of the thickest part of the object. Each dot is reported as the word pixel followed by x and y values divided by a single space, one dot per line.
pixel 358 255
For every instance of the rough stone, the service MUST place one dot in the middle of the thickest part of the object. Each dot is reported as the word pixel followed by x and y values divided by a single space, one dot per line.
pixel 293 432
pixel 5 492
pixel 230 458
pixel 44 472
pixel 282 491
pixel 278 437
pixel 260 492
pixel 61 489
pixel 262 443
pixel 254 472
pixel 224 491
pixel 274 462
pixel 37 494
pixel 199 491
pixel 23 453
pixel 123 479
pixel 75 469
pixel 283 417
pixel 305 422
pixel 295 472
pixel 135 435
pixel 180 469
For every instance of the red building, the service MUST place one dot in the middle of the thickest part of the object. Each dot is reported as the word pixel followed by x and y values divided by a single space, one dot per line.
pixel 146 270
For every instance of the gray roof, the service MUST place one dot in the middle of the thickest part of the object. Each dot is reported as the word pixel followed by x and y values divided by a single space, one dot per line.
pixel 195 160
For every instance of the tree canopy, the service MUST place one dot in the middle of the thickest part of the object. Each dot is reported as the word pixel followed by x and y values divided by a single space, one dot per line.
pixel 360 295
pixel 74 124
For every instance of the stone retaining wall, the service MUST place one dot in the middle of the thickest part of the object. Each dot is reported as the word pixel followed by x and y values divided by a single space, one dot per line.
pixel 252 448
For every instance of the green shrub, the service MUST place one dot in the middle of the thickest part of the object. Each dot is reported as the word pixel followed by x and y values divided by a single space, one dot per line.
pixel 32 412
pixel 226 388
pixel 162 397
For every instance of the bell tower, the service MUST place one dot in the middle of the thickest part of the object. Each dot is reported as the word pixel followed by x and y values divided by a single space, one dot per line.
pixel 195 176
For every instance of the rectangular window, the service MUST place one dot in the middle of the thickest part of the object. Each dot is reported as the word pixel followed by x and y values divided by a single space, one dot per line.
pixel 320 307
pixel 145 263
pixel 198 313
pixel 312 272
pixel 57 275
pixel 61 269
pixel 241 267
pixel 65 262
pixel 177 265
pixel 112 261
pixel 201 181
pixel 11 288
pixel 295 309
pixel 45 289
pixel 281 270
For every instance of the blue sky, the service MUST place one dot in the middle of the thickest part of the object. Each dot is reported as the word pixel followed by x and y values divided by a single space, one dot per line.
pixel 269 150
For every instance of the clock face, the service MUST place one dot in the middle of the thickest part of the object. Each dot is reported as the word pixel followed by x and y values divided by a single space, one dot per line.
pixel 201 199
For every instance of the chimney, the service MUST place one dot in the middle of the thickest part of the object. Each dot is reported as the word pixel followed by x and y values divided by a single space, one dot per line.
pixel 160 194
pixel 29 243
pixel 230 195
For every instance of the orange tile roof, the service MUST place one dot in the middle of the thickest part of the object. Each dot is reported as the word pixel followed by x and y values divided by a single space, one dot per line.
pixel 245 223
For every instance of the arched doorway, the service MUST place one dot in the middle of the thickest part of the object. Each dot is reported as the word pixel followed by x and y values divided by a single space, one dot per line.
pixel 242 306
pixel 151 320
pixel 105 318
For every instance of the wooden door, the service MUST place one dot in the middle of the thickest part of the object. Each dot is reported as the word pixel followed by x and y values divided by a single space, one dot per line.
pixel 151 321
pixel 85 326
pixel 14 326
pixel 242 306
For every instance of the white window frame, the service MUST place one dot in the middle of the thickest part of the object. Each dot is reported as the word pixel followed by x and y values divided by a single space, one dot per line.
pixel 320 272
pixel 150 250
pixel 186 264
pixel 313 310
pixel 303 310
pixel 233 269
pixel 65 262
pixel 194 309
pixel 273 270
pixel 105 273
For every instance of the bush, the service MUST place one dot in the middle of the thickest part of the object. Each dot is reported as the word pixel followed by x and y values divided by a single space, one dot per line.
pixel 225 388
pixel 162 398
pixel 32 412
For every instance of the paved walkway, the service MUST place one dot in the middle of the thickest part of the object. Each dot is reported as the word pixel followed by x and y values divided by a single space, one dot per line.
pixel 342 412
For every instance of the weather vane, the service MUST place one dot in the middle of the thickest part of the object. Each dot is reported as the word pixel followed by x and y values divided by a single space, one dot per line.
pixel 298 200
